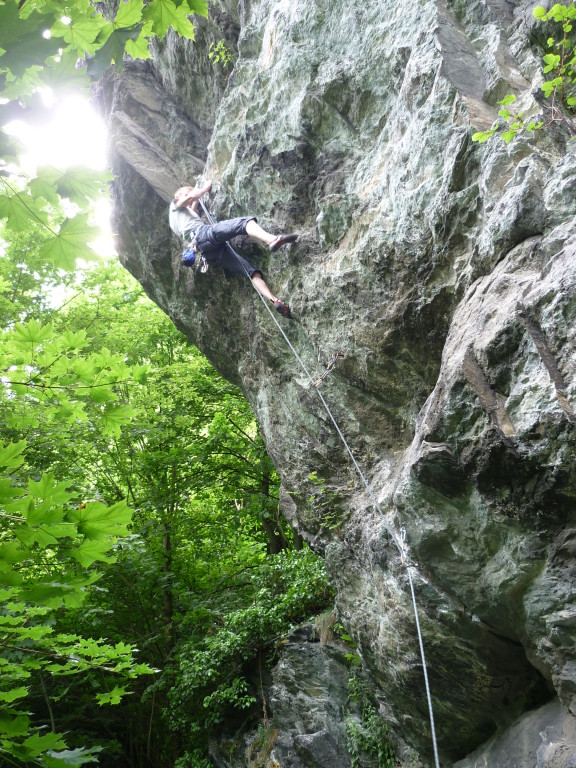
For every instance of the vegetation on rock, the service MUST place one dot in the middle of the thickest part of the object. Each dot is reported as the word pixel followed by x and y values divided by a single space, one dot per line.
pixel 559 88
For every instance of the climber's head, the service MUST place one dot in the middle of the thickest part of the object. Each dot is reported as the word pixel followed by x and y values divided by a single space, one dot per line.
pixel 182 196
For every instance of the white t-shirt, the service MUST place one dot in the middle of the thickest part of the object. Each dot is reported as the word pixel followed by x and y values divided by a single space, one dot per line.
pixel 183 221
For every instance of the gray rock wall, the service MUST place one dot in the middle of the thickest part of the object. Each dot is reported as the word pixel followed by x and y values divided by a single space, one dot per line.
pixel 543 738
pixel 443 271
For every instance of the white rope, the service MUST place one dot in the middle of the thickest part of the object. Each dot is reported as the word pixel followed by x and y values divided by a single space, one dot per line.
pixel 399 541
pixel 422 654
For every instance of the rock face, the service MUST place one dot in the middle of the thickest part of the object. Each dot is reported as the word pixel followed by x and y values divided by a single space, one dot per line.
pixel 546 737
pixel 318 700
pixel 444 271
pixel 307 693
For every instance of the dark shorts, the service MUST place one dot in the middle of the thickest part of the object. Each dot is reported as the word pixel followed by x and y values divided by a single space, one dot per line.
pixel 211 242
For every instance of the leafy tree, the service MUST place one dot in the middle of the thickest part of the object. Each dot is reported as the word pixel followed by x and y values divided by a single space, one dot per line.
pixel 49 542
pixel 193 466
pixel 214 655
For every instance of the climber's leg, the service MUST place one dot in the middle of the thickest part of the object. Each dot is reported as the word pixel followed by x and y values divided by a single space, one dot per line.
pixel 253 229
pixel 238 265
pixel 263 290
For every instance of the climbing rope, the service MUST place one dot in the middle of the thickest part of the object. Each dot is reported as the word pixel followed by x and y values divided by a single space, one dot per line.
pixel 421 644
pixel 399 540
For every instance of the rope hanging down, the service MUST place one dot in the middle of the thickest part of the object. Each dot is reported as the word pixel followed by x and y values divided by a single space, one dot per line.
pixel 398 539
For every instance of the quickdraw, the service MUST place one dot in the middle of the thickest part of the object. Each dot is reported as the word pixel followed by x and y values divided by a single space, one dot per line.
pixel 331 365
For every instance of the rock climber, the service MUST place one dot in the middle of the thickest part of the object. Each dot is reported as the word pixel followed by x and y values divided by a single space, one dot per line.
pixel 209 240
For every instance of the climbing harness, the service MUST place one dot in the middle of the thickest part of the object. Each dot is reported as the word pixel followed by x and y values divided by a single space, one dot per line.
pixel 330 367
pixel 398 539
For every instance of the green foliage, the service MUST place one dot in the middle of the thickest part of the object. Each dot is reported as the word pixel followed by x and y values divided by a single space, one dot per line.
pixel 351 657
pixel 283 591
pixel 43 538
pixel 78 29
pixel 52 544
pixel 52 372
pixel 189 457
pixel 219 53
pixel 559 90
pixel 194 759
pixel 514 122
pixel 369 734
pixel 194 573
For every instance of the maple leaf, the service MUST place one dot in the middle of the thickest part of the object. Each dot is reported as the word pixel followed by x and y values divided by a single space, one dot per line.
pixel 165 14
pixel 198 7
pixel 30 50
pixel 113 697
pixel 112 51
pixel 97 521
pixel 90 551
pixel 80 34
pixel 11 455
pixel 129 13
pixel 81 184
pixel 19 209
pixel 70 243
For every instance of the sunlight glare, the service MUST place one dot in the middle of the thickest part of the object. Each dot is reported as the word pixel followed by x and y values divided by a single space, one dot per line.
pixel 103 245
pixel 74 136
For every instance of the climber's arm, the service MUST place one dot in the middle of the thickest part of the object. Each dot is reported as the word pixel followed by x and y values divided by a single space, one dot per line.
pixel 192 198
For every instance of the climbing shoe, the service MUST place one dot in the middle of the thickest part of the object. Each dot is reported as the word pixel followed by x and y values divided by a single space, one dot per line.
pixel 281 240
pixel 284 309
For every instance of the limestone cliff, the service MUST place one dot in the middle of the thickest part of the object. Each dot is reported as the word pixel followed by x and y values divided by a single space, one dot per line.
pixel 444 272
